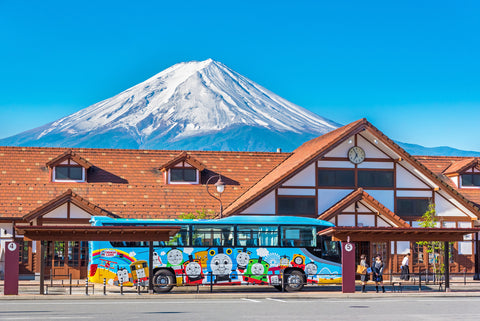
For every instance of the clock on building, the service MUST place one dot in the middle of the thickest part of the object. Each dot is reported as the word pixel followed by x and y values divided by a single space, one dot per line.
pixel 356 154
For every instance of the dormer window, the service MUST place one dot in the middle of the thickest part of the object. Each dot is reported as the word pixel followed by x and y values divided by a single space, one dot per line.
pixel 470 180
pixel 183 169
pixel 68 173
pixel 183 174
pixel 69 167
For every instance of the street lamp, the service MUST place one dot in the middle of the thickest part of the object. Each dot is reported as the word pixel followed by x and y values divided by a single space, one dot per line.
pixel 220 185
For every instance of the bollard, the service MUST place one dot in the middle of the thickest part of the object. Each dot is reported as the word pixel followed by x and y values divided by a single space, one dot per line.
pixel 86 286
pixel 138 288
pixel 464 276
pixel 211 282
pixel 419 280
pixel 70 282
pixel 104 286
pixel 121 288
pixel 283 280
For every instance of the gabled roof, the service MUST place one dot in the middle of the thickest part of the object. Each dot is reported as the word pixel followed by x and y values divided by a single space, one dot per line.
pixel 183 157
pixel 357 196
pixel 317 147
pixel 68 196
pixel 299 159
pixel 459 166
pixel 69 154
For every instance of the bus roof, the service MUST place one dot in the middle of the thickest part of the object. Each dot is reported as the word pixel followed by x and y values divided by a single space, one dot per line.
pixel 231 220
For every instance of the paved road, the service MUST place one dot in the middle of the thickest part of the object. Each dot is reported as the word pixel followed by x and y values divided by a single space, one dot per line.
pixel 267 308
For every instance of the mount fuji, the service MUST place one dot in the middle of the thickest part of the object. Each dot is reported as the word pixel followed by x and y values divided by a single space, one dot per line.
pixel 198 105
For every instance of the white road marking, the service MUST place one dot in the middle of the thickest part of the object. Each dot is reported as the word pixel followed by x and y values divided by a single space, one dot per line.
pixel 251 300
pixel 278 300
pixel 48 317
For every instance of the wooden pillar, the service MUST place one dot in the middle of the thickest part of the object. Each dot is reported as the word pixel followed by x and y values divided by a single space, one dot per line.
pixel 446 262
pixel 476 256
pixel 150 267
pixel 42 267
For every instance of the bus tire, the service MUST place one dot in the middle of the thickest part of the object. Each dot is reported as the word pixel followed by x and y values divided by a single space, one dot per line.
pixel 163 281
pixel 294 281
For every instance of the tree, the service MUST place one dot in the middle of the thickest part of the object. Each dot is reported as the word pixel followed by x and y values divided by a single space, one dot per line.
pixel 435 249
pixel 198 214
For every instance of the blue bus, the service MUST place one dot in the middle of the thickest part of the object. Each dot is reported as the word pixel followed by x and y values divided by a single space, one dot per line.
pixel 242 249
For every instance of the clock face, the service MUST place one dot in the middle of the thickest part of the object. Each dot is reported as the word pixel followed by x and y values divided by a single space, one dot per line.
pixel 356 155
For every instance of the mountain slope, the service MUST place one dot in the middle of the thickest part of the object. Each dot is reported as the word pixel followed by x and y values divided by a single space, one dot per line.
pixel 194 105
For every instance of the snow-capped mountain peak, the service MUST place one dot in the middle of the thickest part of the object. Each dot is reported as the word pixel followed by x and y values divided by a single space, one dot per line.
pixel 186 100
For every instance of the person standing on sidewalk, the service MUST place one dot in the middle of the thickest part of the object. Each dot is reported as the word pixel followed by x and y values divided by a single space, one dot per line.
pixel 405 270
pixel 377 270
pixel 364 276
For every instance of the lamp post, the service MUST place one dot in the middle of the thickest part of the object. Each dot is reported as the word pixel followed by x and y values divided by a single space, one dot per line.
pixel 220 185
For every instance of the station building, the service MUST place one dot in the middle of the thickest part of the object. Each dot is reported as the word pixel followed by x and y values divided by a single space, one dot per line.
pixel 354 176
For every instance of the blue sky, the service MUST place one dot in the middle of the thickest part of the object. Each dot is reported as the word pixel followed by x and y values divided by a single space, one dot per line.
pixel 410 67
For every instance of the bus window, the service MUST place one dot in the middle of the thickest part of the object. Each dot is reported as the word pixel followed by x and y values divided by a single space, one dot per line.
pixel 252 236
pixel 215 235
pixel 331 250
pixel 298 236
pixel 179 239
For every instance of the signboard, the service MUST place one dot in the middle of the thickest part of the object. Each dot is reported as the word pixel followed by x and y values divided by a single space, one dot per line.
pixel 348 267
pixel 11 269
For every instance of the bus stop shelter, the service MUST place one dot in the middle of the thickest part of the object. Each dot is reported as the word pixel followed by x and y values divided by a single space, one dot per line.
pixel 96 233
pixel 385 234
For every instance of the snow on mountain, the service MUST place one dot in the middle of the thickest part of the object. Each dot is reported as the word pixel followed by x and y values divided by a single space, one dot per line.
pixel 188 103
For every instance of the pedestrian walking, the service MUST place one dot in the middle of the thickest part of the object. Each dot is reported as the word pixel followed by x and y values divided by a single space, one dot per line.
pixel 405 270
pixel 364 275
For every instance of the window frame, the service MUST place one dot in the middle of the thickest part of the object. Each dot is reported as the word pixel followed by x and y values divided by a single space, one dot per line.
pixel 468 186
pixel 350 170
pixel 315 205
pixel 428 199
pixel 197 175
pixel 378 170
pixel 55 179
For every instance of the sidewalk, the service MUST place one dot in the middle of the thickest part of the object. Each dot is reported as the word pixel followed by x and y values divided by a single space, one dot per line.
pixel 30 291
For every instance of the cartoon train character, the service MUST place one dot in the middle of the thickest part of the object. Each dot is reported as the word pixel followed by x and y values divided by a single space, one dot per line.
pixel 122 277
pixel 242 258
pixel 175 261
pixel 275 275
pixel 256 271
pixel 193 271
pixel 298 261
pixel 311 272
pixel 203 257
pixel 221 265
pixel 284 261
pixel 139 273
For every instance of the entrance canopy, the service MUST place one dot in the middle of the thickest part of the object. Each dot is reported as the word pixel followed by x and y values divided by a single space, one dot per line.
pixel 358 234
pixel 96 233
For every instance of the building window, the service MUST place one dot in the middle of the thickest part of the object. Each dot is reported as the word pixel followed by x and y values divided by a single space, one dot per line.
pixel 288 205
pixel 470 180
pixel 336 178
pixel 375 178
pixel 68 173
pixel 412 206
pixel 183 175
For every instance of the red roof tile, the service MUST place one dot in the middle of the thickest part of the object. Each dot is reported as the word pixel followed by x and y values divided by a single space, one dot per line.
pixel 127 183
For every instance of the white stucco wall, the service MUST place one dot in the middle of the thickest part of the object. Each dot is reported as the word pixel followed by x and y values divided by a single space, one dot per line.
pixel 266 205
pixel 59 212
pixel 342 149
pixel 346 220
pixel 77 212
pixel 366 220
pixel 445 208
pixel 297 191
pixel 385 197
pixel 328 197
pixel 305 177
pixel 407 180
pixel 371 150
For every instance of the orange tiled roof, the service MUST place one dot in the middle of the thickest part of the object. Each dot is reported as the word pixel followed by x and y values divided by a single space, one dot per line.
pixel 459 166
pixel 69 154
pixel 126 183
pixel 183 156
pixel 441 165
pixel 360 195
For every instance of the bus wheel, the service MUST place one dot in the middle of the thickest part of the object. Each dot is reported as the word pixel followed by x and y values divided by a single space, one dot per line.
pixel 163 281
pixel 294 281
